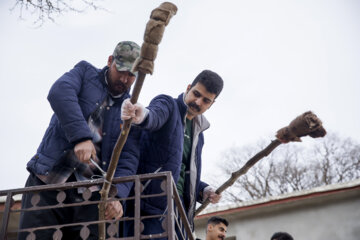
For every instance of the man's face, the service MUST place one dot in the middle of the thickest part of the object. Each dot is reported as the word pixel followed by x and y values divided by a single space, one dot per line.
pixel 216 232
pixel 119 81
pixel 198 100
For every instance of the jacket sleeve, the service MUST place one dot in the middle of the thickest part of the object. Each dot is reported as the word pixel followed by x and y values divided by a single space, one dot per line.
pixel 63 98
pixel 160 109
pixel 202 186
pixel 128 162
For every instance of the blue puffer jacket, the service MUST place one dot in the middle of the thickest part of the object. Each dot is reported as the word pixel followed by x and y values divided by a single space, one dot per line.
pixel 74 97
pixel 162 146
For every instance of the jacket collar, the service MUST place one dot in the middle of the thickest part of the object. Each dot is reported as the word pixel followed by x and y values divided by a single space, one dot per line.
pixel 102 76
pixel 182 106
pixel 202 122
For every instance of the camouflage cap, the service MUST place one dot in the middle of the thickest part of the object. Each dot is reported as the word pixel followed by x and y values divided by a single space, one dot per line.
pixel 125 55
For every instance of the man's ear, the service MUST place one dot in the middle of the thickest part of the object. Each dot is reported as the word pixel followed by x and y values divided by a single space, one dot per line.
pixel 210 227
pixel 211 103
pixel 110 60
pixel 188 88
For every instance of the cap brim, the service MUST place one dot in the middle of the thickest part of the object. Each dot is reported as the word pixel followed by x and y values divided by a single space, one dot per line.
pixel 125 66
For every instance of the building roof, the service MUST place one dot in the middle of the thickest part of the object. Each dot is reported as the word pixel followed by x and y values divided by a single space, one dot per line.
pixel 289 198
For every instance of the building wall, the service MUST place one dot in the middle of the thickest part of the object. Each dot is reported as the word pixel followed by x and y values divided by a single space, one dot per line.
pixel 332 216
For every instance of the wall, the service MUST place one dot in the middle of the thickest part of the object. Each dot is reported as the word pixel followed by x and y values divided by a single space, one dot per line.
pixel 334 216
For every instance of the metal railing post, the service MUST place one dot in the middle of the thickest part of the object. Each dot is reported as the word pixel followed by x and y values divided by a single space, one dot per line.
pixel 170 206
pixel 137 215
pixel 5 218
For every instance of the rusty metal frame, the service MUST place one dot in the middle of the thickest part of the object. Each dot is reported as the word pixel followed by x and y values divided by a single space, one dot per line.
pixel 175 215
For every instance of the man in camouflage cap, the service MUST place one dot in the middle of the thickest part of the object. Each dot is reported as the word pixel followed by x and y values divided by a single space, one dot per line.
pixel 121 62
pixel 86 102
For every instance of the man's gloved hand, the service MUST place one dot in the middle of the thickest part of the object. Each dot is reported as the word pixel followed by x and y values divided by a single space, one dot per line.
pixel 209 192
pixel 137 112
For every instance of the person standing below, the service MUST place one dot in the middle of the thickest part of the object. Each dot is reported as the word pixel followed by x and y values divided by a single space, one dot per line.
pixel 216 228
pixel 281 236
pixel 85 125
pixel 172 140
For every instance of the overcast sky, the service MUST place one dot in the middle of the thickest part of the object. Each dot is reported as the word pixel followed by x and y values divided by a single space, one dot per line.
pixel 278 59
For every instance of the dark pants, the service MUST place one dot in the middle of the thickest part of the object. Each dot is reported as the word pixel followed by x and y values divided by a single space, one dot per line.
pixel 65 215
pixel 151 226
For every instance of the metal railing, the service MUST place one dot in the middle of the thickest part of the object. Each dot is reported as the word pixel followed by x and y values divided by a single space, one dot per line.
pixel 175 223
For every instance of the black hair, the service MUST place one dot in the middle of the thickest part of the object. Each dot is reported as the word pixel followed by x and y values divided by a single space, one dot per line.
pixel 281 236
pixel 217 220
pixel 211 80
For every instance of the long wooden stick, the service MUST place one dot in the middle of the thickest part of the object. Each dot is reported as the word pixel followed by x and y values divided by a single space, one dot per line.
pixel 307 124
pixel 115 156
pixel 241 171
pixel 159 18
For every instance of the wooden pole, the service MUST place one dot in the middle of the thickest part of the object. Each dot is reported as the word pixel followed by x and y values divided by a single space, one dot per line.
pixel 241 171
pixel 307 124
pixel 159 18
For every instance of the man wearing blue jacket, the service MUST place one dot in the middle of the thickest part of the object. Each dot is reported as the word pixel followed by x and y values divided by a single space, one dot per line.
pixel 172 140
pixel 85 125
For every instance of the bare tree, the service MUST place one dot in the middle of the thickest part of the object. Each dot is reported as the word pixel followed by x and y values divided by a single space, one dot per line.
pixel 336 160
pixel 292 168
pixel 42 10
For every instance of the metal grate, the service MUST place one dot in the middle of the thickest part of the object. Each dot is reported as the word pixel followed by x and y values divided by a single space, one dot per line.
pixel 175 223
